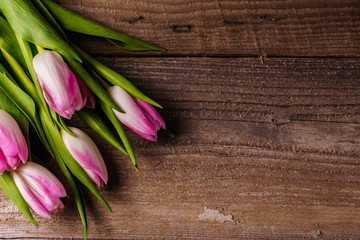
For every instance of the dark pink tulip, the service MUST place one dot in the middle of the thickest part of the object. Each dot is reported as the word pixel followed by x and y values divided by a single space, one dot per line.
pixel 63 92
pixel 139 116
pixel 13 147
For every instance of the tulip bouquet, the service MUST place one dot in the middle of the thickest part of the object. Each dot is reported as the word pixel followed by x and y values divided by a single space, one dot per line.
pixel 44 79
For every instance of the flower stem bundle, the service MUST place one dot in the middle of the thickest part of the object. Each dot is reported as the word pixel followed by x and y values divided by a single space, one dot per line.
pixel 44 79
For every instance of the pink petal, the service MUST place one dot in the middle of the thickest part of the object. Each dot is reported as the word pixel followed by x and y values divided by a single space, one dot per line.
pixel 12 163
pixel 48 201
pixel 133 117
pixel 59 84
pixel 152 114
pixel 151 138
pixel 88 96
pixel 12 141
pixel 97 180
pixel 38 175
pixel 90 103
pixel 86 153
pixel 50 102
pixel 59 208
pixel 3 164
pixel 29 197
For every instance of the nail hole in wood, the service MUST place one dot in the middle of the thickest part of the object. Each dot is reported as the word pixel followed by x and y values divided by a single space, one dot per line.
pixel 266 17
pixel 181 28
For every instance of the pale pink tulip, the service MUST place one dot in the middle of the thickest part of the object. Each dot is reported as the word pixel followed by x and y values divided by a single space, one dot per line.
pixel 139 116
pixel 13 147
pixel 40 188
pixel 61 89
pixel 86 153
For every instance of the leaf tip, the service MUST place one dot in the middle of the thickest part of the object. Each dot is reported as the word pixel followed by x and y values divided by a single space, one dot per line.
pixel 33 221
pixel 110 210
pixel 156 104
pixel 85 233
pixel 168 132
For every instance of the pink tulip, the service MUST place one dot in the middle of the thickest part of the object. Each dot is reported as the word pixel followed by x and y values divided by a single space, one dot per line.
pixel 13 147
pixel 86 153
pixel 139 116
pixel 40 188
pixel 61 89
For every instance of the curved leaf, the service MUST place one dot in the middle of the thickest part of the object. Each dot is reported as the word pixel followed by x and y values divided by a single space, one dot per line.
pixel 94 120
pixel 42 9
pixel 77 23
pixel 78 198
pixel 114 77
pixel 7 184
pixel 27 22
pixel 120 130
pixel 18 96
pixel 28 58
pixel 8 41
pixel 94 85
pixel 62 155
pixel 24 102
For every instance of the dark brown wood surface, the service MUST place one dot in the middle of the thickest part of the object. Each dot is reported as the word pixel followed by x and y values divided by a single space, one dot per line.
pixel 264 147
pixel 231 27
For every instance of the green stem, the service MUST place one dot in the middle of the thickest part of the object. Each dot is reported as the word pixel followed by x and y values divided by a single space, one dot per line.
pixel 28 56
pixel 120 130
pixel 101 80
pixel 21 75
pixel 39 48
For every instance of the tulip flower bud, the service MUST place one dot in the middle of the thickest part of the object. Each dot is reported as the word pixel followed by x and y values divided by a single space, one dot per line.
pixel 63 92
pixel 13 147
pixel 86 153
pixel 40 188
pixel 140 116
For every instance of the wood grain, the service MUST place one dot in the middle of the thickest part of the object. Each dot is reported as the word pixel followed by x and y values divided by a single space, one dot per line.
pixel 230 27
pixel 273 143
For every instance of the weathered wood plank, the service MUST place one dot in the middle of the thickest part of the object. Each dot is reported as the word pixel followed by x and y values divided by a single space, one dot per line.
pixel 230 27
pixel 273 144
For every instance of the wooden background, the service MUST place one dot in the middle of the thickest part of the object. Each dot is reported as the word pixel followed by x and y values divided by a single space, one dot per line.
pixel 264 101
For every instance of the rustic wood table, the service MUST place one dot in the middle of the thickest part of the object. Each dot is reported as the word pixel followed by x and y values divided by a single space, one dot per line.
pixel 264 100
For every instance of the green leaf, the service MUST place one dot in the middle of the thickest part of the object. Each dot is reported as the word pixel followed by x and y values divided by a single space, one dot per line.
pixel 24 102
pixel 94 120
pixel 22 77
pixel 27 22
pixel 133 46
pixel 120 130
pixel 78 198
pixel 7 184
pixel 114 77
pixel 18 96
pixel 28 56
pixel 7 105
pixel 77 23
pixel 80 204
pixel 94 85
pixel 8 41
pixel 62 155
pixel 60 122
pixel 64 126
pixel 42 9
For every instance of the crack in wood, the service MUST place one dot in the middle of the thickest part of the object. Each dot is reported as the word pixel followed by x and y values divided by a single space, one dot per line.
pixel 136 19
